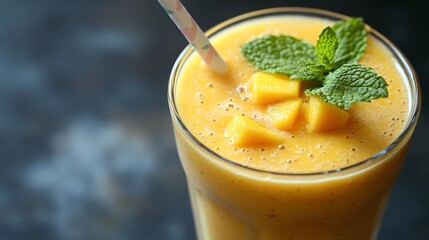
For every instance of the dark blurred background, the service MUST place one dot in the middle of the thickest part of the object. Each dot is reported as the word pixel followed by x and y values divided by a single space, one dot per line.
pixel 86 145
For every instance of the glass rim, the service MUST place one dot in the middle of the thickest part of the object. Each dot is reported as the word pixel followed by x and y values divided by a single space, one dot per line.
pixel 405 65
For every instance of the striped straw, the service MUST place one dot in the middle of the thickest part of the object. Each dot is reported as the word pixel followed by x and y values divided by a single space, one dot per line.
pixel 193 34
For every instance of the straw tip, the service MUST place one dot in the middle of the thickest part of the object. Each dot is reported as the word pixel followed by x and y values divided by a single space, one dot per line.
pixel 221 69
pixel 218 65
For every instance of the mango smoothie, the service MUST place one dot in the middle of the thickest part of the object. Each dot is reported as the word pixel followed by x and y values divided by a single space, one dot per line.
pixel 327 185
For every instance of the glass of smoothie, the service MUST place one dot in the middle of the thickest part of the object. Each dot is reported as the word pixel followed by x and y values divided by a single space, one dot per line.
pixel 329 185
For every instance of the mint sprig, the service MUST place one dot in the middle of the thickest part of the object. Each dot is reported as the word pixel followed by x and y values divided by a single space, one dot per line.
pixel 332 62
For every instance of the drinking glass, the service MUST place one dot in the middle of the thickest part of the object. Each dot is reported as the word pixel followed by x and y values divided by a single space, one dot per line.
pixel 233 202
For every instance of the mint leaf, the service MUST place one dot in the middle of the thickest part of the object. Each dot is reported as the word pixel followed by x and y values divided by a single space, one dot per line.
pixel 277 54
pixel 352 41
pixel 326 46
pixel 325 51
pixel 349 84
pixel 307 70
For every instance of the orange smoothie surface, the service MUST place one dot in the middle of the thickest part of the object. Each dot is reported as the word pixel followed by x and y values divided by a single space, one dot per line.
pixel 207 101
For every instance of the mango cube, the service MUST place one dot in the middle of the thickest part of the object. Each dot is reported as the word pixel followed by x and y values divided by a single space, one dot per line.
pixel 244 132
pixel 323 116
pixel 283 115
pixel 270 88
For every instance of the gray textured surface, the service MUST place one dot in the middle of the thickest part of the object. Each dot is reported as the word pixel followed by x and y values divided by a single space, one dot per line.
pixel 85 136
